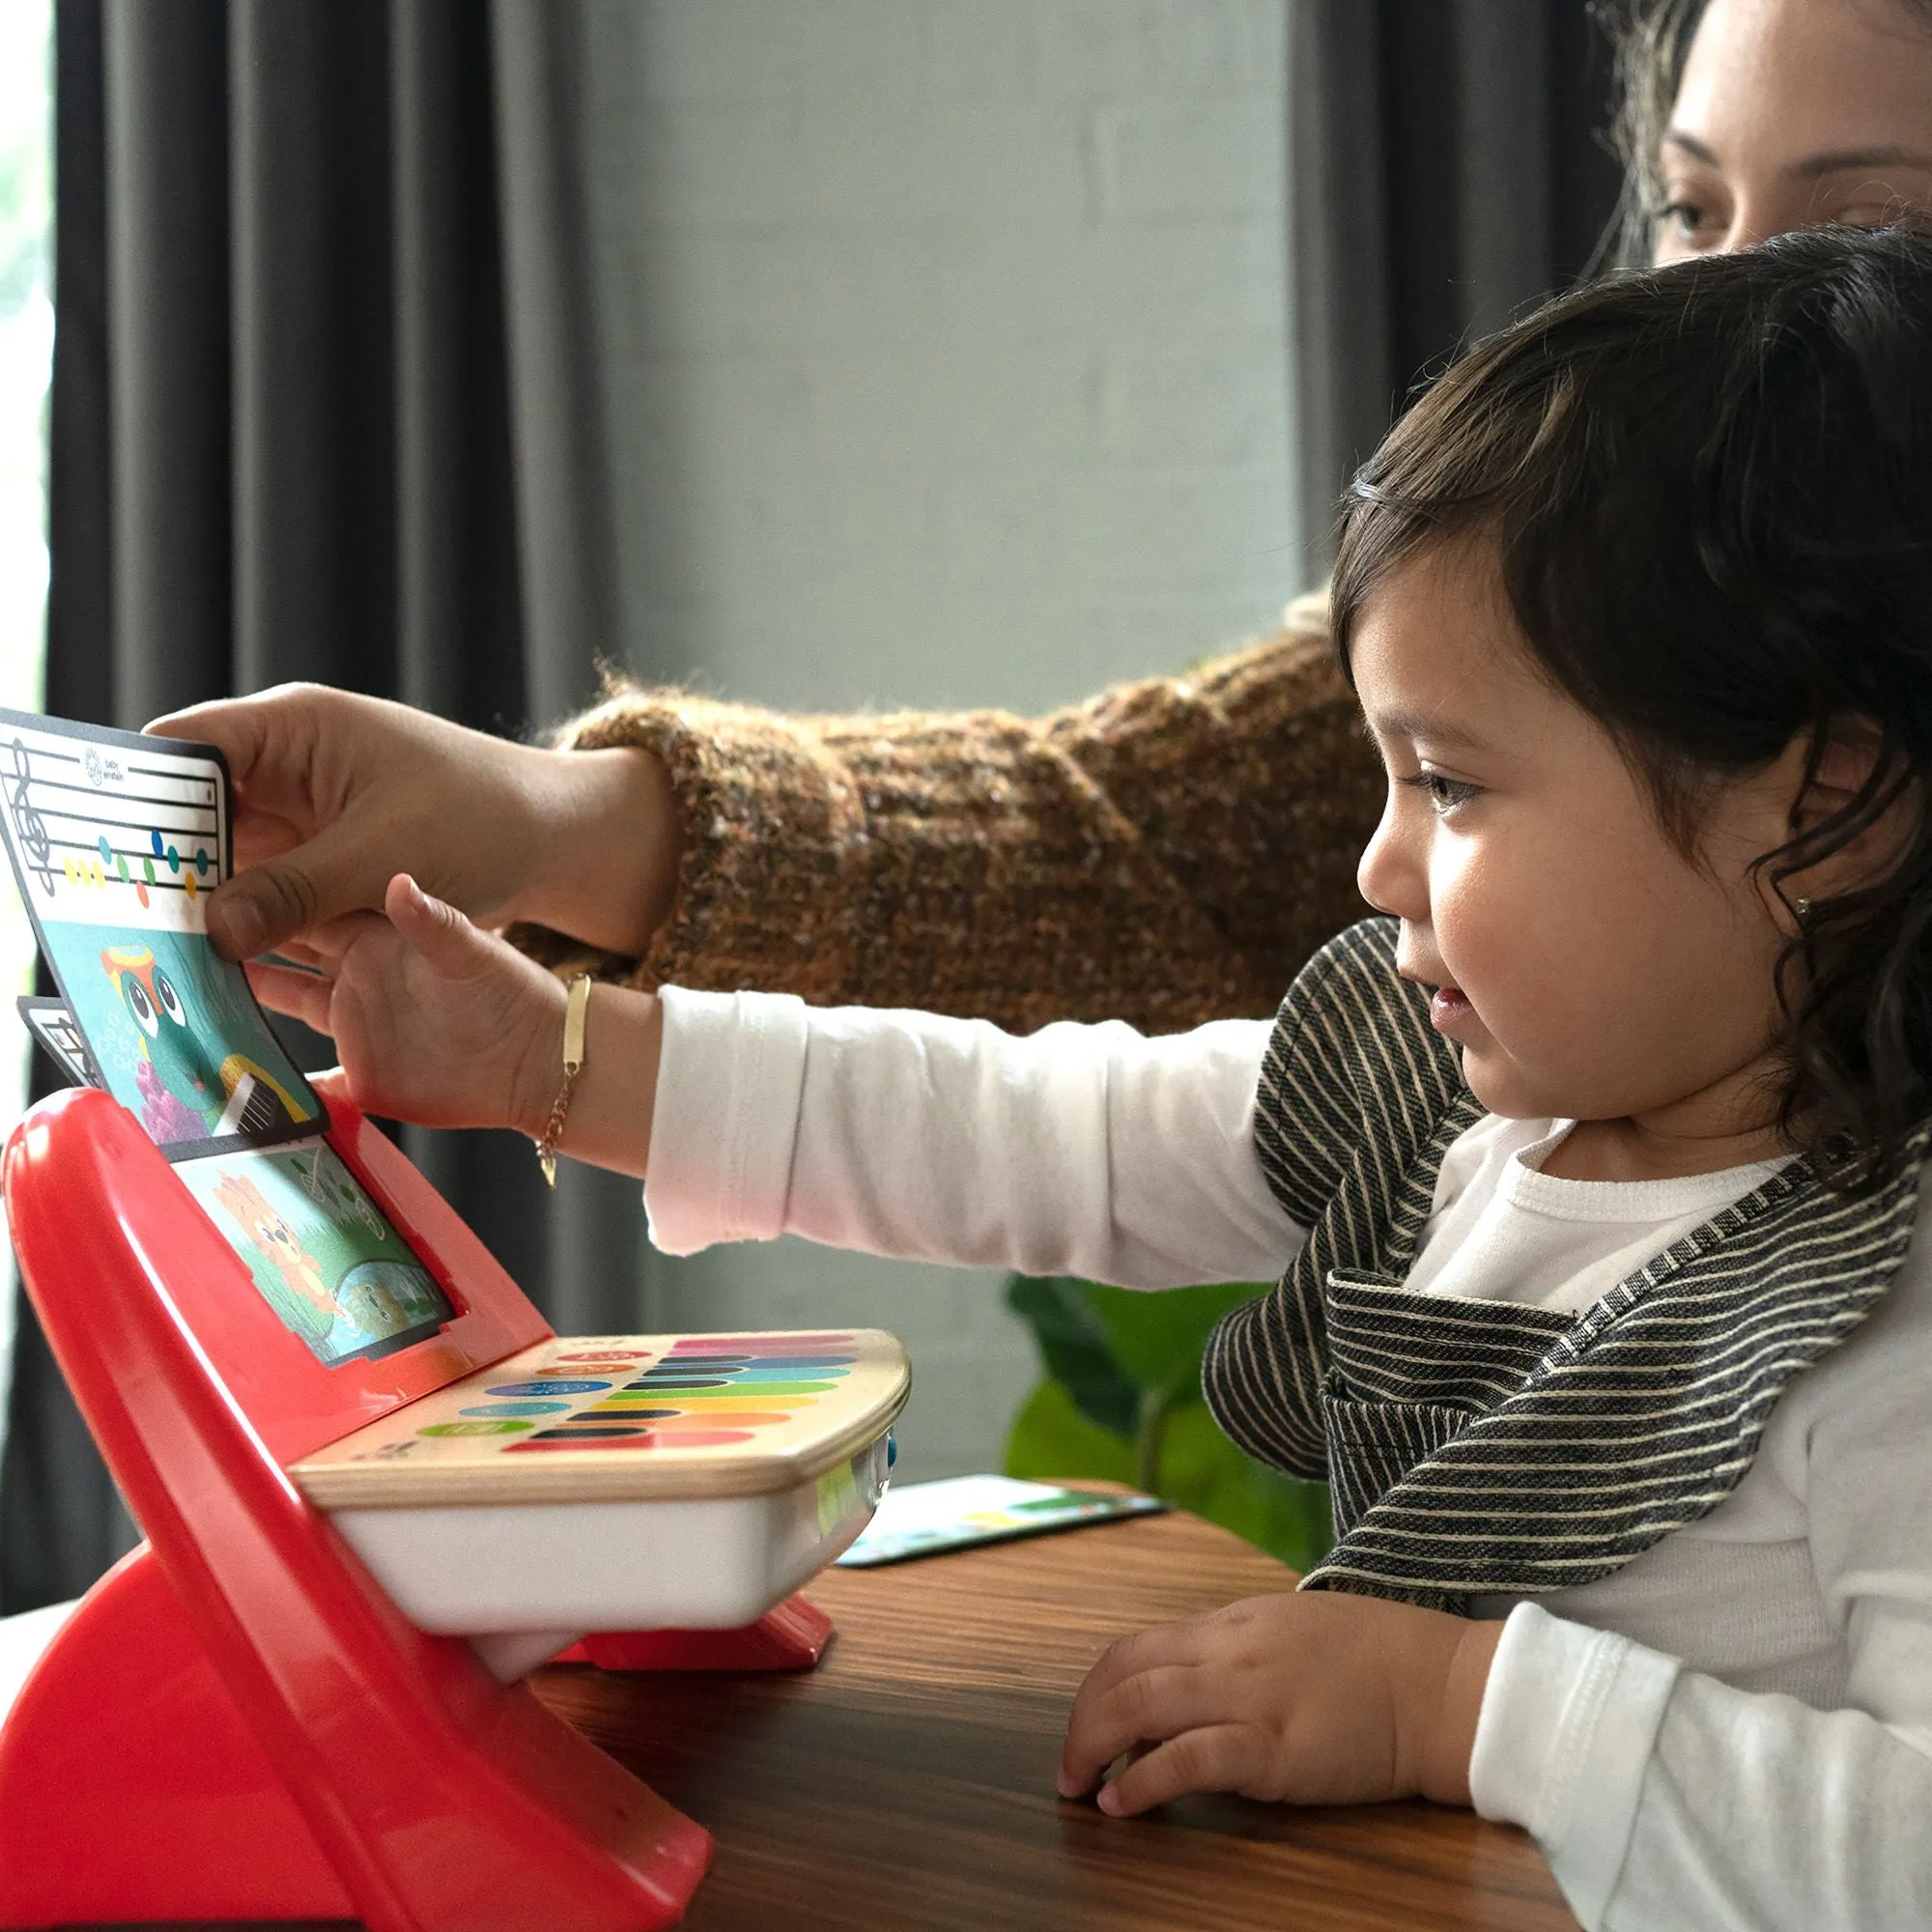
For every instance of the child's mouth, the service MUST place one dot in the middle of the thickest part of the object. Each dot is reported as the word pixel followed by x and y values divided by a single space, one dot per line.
pixel 1447 1006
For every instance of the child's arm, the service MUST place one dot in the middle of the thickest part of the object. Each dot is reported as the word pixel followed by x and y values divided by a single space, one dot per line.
pixel 1662 1796
pixel 439 1023
pixel 1076 1150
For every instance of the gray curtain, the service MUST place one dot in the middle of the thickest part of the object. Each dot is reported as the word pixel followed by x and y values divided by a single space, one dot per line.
pixel 1449 165
pixel 324 407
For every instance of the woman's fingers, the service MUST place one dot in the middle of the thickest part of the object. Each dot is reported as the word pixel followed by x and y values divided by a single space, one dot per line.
pixel 1148 1705
pixel 264 908
pixel 286 748
pixel 248 732
pixel 1215 1758
pixel 260 835
pixel 311 827
pixel 335 792
pixel 322 948
pixel 301 952
pixel 285 989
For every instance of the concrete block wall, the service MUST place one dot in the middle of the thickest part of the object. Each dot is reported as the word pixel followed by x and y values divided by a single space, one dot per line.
pixel 946 363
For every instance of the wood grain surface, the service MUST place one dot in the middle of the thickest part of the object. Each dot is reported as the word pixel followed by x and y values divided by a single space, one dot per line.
pixel 400 1461
pixel 907 1784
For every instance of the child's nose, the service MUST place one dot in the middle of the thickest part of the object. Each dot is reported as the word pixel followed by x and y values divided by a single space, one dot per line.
pixel 1388 876
pixel 1375 863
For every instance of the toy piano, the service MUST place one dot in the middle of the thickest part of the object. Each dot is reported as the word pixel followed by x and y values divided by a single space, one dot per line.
pixel 376 1488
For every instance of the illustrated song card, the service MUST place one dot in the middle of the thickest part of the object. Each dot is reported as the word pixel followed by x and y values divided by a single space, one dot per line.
pixel 321 1254
pixel 53 1029
pixel 115 842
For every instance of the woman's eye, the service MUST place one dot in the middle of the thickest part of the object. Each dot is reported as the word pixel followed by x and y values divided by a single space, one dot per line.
pixel 1898 211
pixel 1683 222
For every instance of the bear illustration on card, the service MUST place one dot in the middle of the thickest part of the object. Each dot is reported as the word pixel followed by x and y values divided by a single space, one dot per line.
pixel 278 1243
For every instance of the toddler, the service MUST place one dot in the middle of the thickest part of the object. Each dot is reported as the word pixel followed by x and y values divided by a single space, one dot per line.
pixel 1589 1169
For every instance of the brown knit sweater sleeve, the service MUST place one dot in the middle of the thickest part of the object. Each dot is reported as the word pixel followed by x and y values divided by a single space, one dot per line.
pixel 1168 852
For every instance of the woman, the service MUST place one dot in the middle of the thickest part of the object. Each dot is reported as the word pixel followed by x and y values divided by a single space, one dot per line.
pixel 1168 852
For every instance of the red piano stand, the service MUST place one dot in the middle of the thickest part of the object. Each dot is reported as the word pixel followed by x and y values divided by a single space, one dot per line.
pixel 236 1723
pixel 791 1637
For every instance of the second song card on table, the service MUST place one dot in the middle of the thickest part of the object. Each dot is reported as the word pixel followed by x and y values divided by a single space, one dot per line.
pixel 115 842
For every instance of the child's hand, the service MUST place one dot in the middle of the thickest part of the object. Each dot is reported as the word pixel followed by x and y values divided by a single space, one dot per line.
pixel 434 1020
pixel 1312 1698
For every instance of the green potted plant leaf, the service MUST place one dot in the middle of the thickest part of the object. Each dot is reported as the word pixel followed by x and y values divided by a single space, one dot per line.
pixel 1122 1401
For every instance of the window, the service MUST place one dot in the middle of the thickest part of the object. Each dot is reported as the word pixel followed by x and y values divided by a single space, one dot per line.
pixel 26 353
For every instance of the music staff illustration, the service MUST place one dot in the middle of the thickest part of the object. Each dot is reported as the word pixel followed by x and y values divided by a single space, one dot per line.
pixel 90 822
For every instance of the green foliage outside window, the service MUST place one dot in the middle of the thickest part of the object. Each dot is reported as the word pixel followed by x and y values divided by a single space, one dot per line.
pixel 1122 1401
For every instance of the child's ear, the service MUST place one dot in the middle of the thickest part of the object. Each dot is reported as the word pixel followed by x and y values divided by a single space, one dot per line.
pixel 1846 761
pixel 1845 765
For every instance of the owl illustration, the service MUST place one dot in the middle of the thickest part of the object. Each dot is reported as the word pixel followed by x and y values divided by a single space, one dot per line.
pixel 185 1095
pixel 182 1096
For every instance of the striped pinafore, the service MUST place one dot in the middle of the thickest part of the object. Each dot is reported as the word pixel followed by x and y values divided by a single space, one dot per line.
pixel 1475 1446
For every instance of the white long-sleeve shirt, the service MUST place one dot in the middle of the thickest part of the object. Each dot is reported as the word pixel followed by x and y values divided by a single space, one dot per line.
pixel 1733 1730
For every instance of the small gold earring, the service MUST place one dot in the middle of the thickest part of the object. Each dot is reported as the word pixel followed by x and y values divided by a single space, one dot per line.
pixel 1802 908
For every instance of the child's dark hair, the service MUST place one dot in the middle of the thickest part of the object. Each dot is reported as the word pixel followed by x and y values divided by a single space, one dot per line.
pixel 1710 489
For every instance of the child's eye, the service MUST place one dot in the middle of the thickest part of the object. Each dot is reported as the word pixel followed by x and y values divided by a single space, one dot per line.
pixel 1445 794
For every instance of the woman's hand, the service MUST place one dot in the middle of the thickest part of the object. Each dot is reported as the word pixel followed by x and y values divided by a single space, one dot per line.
pixel 336 793
pixel 1311 1698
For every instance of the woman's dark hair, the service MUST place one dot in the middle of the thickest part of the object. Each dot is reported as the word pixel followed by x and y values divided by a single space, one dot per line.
pixel 1653 40
pixel 1710 491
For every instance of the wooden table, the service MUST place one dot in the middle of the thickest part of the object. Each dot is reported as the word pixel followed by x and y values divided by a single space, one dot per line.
pixel 907 1784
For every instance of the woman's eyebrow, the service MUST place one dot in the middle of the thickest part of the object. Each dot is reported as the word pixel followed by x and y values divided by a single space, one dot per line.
pixel 1813 167
pixel 1675 137
pixel 1837 160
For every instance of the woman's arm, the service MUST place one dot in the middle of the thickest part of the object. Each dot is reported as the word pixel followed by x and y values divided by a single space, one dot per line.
pixel 1167 853
pixel 335 793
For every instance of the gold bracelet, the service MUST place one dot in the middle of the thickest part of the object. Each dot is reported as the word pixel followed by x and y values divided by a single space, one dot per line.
pixel 576 1008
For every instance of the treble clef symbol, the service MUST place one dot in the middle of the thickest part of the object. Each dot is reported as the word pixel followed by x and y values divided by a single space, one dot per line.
pixel 28 823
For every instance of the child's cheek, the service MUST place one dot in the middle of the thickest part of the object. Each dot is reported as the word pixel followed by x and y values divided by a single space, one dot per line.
pixel 1514 1087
